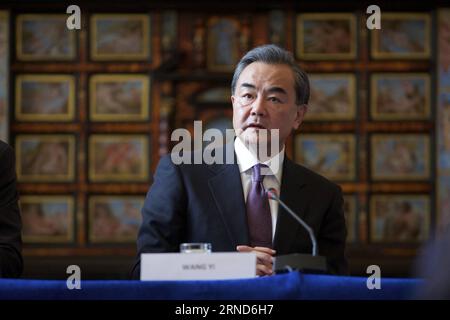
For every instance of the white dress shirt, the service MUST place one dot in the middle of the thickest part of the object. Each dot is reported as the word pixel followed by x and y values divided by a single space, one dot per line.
pixel 246 160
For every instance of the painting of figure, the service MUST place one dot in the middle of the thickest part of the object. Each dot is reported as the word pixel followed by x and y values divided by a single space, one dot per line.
pixel 402 36
pixel 333 156
pixel 114 218
pixel 330 36
pixel 118 158
pixel 45 158
pixel 333 97
pixel 119 97
pixel 400 156
pixel 47 218
pixel 44 37
pixel 400 96
pixel 399 218
pixel 45 98
pixel 120 37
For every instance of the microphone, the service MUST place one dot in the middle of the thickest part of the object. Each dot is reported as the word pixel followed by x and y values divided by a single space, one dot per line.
pixel 272 194
pixel 312 263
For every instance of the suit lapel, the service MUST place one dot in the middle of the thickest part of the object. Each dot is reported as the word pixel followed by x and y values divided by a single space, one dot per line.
pixel 226 189
pixel 290 193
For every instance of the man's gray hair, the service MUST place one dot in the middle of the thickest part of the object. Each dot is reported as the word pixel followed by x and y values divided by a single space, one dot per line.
pixel 272 54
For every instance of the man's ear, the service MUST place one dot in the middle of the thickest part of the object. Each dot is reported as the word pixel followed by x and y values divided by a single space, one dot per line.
pixel 233 99
pixel 299 115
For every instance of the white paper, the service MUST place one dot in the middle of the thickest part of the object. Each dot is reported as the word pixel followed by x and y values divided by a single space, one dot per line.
pixel 198 266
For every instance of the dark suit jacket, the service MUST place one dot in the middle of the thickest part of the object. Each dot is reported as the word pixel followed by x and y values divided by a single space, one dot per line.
pixel 11 263
pixel 205 203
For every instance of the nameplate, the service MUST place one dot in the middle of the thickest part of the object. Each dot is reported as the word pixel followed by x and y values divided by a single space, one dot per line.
pixel 198 266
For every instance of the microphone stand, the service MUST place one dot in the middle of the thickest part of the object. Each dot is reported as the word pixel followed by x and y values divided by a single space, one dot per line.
pixel 298 261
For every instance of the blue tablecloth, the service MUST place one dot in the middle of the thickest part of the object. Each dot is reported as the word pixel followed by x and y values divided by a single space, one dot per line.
pixel 290 286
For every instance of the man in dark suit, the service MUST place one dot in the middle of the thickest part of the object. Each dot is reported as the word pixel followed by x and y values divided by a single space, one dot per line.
pixel 225 204
pixel 11 263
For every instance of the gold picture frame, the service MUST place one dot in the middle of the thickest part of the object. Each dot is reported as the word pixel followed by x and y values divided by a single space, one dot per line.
pixel 127 158
pixel 45 158
pixel 47 218
pixel 43 37
pixel 400 96
pixel 104 93
pixel 114 219
pixel 413 28
pixel 331 155
pixel 45 97
pixel 403 157
pixel 399 218
pixel 315 32
pixel 122 37
pixel 327 101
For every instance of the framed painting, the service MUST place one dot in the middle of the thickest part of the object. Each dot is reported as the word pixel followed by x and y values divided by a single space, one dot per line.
pixel 45 158
pixel 4 75
pixel 213 96
pixel 331 155
pixel 44 37
pixel 45 97
pixel 402 36
pixel 47 218
pixel 277 27
pixel 114 219
pixel 169 31
pixel 397 96
pixel 332 98
pixel 399 218
pixel 118 158
pixel 400 156
pixel 326 36
pixel 119 97
pixel 120 37
pixel 223 44
pixel 350 211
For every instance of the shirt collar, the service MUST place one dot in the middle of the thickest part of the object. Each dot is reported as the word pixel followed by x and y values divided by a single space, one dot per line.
pixel 247 160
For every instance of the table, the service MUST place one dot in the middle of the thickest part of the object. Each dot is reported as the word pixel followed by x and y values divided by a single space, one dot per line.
pixel 288 286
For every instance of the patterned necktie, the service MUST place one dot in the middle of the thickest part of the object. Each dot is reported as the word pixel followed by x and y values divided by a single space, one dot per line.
pixel 258 211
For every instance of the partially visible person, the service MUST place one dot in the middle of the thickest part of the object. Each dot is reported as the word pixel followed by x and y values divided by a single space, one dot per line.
pixel 11 263
pixel 433 265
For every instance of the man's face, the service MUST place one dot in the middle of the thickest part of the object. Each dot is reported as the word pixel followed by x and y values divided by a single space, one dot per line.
pixel 264 98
